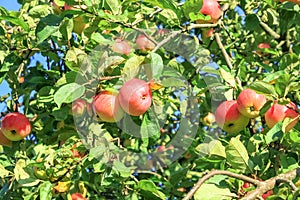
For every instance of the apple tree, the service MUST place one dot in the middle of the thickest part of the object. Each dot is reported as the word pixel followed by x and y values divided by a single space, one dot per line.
pixel 194 99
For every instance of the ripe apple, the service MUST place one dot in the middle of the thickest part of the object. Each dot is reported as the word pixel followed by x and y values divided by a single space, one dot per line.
pixel 279 112
pixel 250 103
pixel 209 119
pixel 267 194
pixel 4 141
pixel 229 118
pixel 121 46
pixel 207 33
pixel 212 8
pixel 79 107
pixel 77 196
pixel 246 185
pixel 144 44
pixel 15 126
pixel 107 107
pixel 135 97
pixel 263 46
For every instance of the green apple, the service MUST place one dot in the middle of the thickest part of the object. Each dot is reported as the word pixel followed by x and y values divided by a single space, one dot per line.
pixel 229 118
pixel 16 126
pixel 250 103
pixel 4 141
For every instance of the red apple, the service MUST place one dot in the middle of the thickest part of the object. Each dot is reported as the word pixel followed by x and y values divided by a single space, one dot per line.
pixel 263 46
pixel 79 107
pixel 279 112
pixel 15 126
pixel 4 141
pixel 207 33
pixel 212 8
pixel 246 185
pixel 77 196
pixel 229 118
pixel 267 194
pixel 135 97
pixel 107 107
pixel 250 103
pixel 121 46
pixel 144 44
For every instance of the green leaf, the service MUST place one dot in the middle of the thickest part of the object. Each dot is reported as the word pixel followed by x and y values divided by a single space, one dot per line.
pixel 68 93
pixel 213 148
pixel 252 22
pixel 263 87
pixel 66 28
pixel 132 67
pixel 237 156
pixel 98 37
pixel 211 192
pixel 227 77
pixel 3 172
pixel 46 191
pixel 191 6
pixel 157 66
pixel 173 82
pixel 47 27
pixel 281 84
pixel 122 169
pixel 147 185
pixel 16 21
pixel 114 5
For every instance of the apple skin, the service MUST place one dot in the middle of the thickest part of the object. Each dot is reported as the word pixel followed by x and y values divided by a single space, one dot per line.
pixel 250 103
pixel 135 97
pixel 246 185
pixel 144 44
pixel 263 46
pixel 267 194
pixel 207 33
pixel 15 126
pixel 79 107
pixel 212 8
pixel 4 141
pixel 77 196
pixel 121 46
pixel 107 107
pixel 229 118
pixel 278 112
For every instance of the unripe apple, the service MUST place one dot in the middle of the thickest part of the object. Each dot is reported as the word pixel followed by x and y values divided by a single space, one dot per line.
pixel 229 118
pixel 79 107
pixel 279 112
pixel 209 119
pixel 121 46
pixel 15 126
pixel 107 107
pixel 212 8
pixel 250 103
pixel 78 23
pixel 4 141
pixel 77 196
pixel 135 97
pixel 144 44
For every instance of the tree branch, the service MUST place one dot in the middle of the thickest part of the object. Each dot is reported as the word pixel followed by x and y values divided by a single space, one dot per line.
pixel 262 186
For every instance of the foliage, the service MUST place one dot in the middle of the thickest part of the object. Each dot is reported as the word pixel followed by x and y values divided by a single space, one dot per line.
pixel 191 76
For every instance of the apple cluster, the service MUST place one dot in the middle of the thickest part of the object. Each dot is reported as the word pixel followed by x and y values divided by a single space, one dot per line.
pixel 15 127
pixel 234 115
pixel 134 98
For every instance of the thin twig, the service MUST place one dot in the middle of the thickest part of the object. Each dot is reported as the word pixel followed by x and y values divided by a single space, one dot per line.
pixel 269 30
pixel 225 54
pixel 164 41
